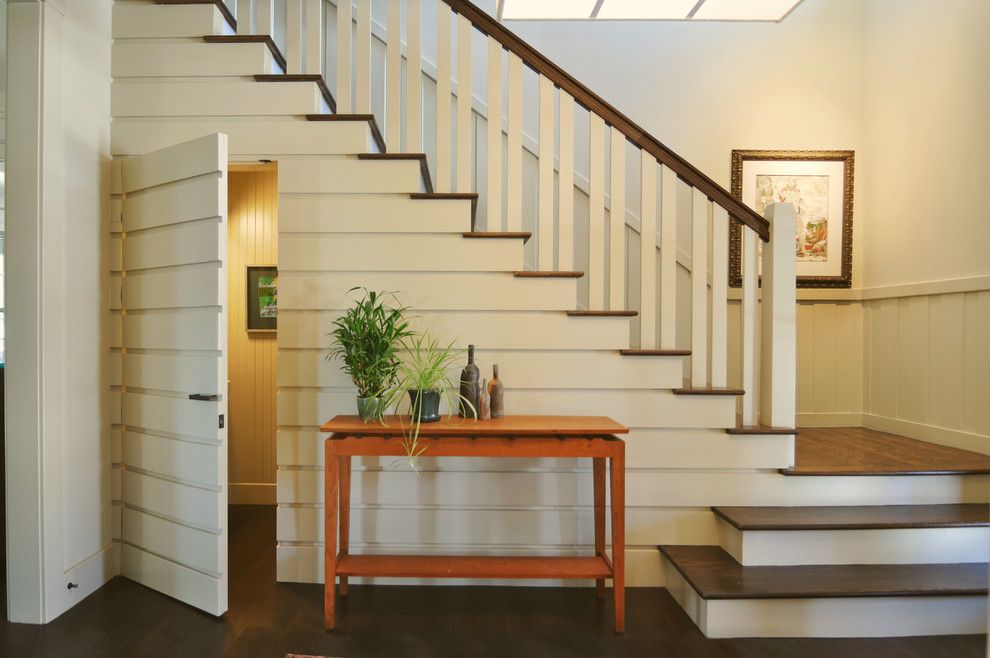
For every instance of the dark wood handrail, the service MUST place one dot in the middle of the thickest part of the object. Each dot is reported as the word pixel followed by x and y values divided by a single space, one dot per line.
pixel 595 103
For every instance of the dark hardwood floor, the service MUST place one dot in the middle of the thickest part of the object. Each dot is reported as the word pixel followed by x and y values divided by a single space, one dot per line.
pixel 268 619
pixel 860 451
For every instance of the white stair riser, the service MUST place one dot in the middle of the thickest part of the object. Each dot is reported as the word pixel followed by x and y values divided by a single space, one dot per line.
pixel 371 213
pixel 829 617
pixel 247 136
pixel 866 546
pixel 399 252
pixel 214 98
pixel 635 408
pixel 154 59
pixel 152 21
pixel 426 291
pixel 348 175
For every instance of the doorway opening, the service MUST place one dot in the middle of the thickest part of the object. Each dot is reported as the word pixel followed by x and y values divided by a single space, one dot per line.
pixel 252 293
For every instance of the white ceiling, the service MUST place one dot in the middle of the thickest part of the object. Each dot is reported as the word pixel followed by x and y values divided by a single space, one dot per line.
pixel 694 10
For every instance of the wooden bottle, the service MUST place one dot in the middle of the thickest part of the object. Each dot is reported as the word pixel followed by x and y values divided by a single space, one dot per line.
pixel 484 403
pixel 496 395
pixel 469 387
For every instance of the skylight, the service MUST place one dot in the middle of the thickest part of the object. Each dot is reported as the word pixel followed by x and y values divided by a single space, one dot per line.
pixel 694 10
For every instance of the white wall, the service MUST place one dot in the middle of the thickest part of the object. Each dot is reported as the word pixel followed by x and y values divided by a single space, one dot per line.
pixel 58 464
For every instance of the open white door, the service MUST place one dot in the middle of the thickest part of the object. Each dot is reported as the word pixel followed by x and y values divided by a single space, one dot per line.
pixel 174 397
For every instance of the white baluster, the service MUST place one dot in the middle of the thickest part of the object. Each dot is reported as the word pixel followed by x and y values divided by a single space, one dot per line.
pixel 513 165
pixel 493 220
pixel 343 96
pixel 313 29
pixel 443 182
pixel 699 288
pixel 668 258
pixel 778 327
pixel 648 250
pixel 363 57
pixel 565 183
pixel 245 13
pixel 596 213
pixel 465 119
pixel 293 36
pixel 545 211
pixel 720 292
pixel 393 77
pixel 414 76
pixel 264 13
pixel 748 332
pixel 617 223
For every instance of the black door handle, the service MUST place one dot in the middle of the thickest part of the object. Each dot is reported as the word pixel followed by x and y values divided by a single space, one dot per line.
pixel 203 397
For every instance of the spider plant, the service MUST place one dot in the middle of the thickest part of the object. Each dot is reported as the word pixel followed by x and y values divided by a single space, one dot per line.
pixel 424 375
pixel 367 339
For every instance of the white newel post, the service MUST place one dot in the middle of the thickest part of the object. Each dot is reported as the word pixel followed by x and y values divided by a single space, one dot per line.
pixel 778 383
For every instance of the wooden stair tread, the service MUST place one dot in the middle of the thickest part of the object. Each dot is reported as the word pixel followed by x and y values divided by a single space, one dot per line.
pixel 498 235
pixel 321 84
pixel 376 133
pixel 639 352
pixel 219 4
pixel 760 429
pixel 424 166
pixel 602 314
pixel 547 274
pixel 715 575
pixel 961 515
pixel 250 38
pixel 857 451
pixel 687 389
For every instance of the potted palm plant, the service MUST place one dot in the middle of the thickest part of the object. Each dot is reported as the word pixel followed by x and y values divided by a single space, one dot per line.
pixel 367 340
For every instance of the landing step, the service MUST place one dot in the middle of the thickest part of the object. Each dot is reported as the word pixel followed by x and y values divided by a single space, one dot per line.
pixel 376 133
pixel 602 314
pixel 760 429
pixel 687 389
pixel 321 84
pixel 856 517
pixel 726 599
pixel 498 235
pixel 547 274
pixel 219 4
pixel 637 352
pixel 250 38
pixel 424 167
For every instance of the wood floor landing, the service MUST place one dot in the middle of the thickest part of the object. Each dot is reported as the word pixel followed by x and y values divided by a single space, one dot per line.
pixel 715 575
pixel 860 451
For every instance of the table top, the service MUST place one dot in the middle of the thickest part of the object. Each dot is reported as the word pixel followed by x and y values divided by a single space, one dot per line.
pixel 532 426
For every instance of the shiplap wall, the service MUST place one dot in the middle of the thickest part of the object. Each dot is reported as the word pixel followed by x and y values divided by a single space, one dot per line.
pixel 252 240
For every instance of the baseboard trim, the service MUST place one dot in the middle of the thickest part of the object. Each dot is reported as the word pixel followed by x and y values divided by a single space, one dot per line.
pixel 251 493
pixel 931 433
pixel 832 419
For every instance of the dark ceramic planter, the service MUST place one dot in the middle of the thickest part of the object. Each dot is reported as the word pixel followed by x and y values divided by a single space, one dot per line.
pixel 368 408
pixel 427 404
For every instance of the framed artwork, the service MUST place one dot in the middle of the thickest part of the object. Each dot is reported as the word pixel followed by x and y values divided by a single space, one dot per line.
pixel 262 298
pixel 820 185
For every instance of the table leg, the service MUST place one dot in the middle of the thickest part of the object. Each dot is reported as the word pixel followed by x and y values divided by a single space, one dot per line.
pixel 617 473
pixel 599 472
pixel 345 513
pixel 331 474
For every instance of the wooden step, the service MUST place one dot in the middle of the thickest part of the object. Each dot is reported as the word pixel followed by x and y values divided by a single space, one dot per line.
pixel 602 314
pixel 760 429
pixel 376 133
pixel 498 235
pixel 424 167
pixel 250 38
pixel 687 389
pixel 219 4
pixel 639 352
pixel 856 517
pixel 713 574
pixel 321 84
pixel 547 274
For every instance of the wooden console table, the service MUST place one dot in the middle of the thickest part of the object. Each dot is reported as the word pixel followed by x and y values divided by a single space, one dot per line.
pixel 513 436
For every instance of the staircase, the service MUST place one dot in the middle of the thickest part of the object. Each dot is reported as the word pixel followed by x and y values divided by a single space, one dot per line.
pixel 598 312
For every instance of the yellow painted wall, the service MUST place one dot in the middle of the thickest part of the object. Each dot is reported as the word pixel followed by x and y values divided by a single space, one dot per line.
pixel 252 240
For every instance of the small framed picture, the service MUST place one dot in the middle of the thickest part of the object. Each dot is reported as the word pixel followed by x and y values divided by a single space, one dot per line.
pixel 820 185
pixel 262 298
